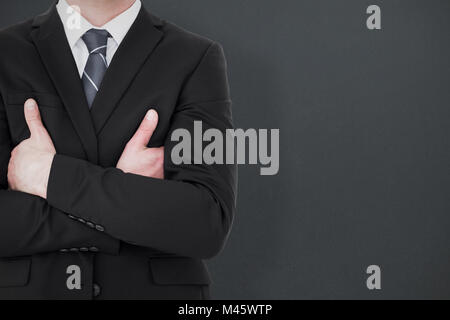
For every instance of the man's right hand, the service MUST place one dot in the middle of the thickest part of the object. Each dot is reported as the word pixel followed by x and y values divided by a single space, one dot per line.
pixel 137 158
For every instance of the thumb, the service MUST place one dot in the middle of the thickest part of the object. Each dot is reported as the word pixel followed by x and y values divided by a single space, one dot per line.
pixel 33 117
pixel 146 129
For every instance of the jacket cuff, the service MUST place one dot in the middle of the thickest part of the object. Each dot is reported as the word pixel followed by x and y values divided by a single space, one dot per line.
pixel 63 184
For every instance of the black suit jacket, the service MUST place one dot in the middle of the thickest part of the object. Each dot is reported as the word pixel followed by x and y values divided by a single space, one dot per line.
pixel 132 236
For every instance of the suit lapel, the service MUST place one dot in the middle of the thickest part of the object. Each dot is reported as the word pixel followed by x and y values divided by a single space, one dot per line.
pixel 51 42
pixel 137 45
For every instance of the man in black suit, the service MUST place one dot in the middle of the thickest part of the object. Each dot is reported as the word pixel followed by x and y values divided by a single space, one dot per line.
pixel 91 205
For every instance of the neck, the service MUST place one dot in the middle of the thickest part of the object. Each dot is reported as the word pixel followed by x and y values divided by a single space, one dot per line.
pixel 99 12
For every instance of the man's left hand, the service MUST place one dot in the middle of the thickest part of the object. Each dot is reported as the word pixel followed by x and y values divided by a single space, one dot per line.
pixel 31 161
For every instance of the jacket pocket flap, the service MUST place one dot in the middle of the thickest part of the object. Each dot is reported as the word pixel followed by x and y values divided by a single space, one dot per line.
pixel 14 273
pixel 179 271
pixel 43 99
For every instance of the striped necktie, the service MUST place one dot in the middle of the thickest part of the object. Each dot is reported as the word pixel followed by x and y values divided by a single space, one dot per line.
pixel 96 41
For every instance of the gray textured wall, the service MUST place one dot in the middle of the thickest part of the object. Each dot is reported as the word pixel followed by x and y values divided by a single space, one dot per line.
pixel 365 143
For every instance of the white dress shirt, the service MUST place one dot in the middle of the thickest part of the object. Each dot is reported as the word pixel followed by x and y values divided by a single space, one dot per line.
pixel 75 26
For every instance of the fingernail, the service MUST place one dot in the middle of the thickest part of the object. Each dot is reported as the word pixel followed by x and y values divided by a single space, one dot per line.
pixel 29 104
pixel 150 114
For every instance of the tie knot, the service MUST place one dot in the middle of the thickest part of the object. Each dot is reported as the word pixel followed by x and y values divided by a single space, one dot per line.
pixel 96 40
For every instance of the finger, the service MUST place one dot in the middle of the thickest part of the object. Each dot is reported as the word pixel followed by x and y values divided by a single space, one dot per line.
pixel 33 117
pixel 146 129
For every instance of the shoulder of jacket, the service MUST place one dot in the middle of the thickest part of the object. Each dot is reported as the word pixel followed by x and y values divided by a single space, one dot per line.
pixel 184 38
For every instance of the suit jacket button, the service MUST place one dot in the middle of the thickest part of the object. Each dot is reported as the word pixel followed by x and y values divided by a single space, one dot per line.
pixel 97 290
pixel 74 250
pixel 64 250
pixel 90 224
pixel 84 249
pixel 93 249
pixel 100 228
pixel 82 220
pixel 72 217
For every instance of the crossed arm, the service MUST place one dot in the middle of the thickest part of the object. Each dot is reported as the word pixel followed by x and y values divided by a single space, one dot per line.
pixel 43 228
pixel 188 213
pixel 31 161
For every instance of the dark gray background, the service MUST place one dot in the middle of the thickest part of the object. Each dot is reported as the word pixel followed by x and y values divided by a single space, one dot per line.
pixel 365 143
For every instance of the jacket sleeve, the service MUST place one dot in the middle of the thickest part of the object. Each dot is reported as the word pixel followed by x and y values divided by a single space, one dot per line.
pixel 190 212
pixel 28 225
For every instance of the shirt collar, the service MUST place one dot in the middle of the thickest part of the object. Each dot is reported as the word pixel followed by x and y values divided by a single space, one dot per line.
pixel 75 25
